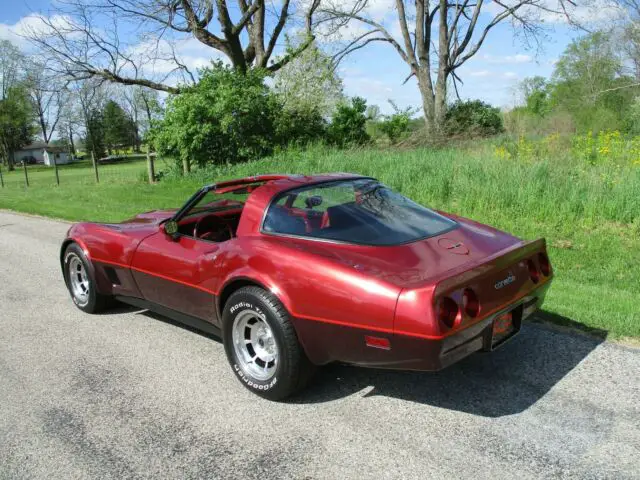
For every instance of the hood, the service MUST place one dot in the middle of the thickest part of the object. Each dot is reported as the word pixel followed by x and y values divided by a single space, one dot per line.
pixel 141 225
pixel 415 263
pixel 153 217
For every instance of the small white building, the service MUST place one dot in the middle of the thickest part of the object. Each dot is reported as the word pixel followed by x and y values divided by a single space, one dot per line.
pixel 42 153
pixel 60 155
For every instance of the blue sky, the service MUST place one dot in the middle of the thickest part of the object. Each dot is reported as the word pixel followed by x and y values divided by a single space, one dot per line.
pixel 376 72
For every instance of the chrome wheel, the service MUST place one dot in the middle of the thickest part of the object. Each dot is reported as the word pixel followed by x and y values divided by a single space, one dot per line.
pixel 254 344
pixel 78 280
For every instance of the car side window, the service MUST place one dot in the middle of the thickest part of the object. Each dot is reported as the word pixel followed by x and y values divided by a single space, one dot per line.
pixel 319 199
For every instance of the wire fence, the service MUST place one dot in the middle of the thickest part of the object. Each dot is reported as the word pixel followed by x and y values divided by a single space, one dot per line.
pixel 83 172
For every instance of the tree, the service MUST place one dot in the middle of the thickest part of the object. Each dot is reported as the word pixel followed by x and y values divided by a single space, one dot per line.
pixel 348 125
pixel 48 97
pixel 309 82
pixel 71 119
pixel 11 60
pixel 118 127
pixel 227 117
pixel 89 97
pixel 94 139
pixel 436 38
pixel 590 84
pixel 16 122
pixel 87 39
pixel 143 106
pixel 536 91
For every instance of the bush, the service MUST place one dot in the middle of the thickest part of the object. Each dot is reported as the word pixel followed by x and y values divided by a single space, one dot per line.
pixel 348 126
pixel 473 118
pixel 396 126
pixel 227 117
pixel 299 126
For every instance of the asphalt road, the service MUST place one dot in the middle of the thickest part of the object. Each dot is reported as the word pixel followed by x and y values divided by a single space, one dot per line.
pixel 128 395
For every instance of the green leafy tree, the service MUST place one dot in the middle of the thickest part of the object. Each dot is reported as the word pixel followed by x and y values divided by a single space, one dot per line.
pixel 536 92
pixel 348 125
pixel 226 117
pixel 589 84
pixel 94 140
pixel 118 127
pixel 16 122
pixel 473 118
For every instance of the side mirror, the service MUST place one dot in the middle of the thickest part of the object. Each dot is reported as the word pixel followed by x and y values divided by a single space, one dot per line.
pixel 171 228
pixel 313 201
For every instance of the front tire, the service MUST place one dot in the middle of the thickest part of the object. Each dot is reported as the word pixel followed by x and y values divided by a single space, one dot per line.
pixel 81 282
pixel 262 346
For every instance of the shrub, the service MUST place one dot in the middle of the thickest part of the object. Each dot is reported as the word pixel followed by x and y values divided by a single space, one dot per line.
pixel 473 118
pixel 348 126
pixel 227 117
pixel 396 126
pixel 299 126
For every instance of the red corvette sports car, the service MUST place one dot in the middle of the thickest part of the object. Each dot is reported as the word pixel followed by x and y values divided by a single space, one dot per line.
pixel 298 271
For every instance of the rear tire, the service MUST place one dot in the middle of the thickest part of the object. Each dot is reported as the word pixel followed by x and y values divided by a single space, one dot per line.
pixel 262 346
pixel 81 282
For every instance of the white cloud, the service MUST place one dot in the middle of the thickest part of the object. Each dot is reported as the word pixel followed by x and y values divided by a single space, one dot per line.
pixel 34 23
pixel 510 75
pixel 507 59
pixel 479 73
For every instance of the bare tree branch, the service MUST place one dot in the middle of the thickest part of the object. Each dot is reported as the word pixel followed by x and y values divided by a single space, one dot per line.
pixel 124 41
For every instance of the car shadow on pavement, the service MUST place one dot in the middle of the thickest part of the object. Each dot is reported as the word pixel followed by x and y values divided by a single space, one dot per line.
pixel 504 382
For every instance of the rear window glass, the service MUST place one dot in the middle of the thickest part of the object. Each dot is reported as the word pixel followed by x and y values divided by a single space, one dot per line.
pixel 361 211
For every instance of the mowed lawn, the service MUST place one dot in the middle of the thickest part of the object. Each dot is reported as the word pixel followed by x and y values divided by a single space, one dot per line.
pixel 590 215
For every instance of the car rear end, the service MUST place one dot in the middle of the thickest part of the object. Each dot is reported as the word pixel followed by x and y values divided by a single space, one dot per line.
pixel 477 306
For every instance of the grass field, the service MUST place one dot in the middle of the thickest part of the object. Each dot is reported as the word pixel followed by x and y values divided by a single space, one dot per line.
pixel 589 214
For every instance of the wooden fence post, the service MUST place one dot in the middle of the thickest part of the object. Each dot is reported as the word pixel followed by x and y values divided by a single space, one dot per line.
pixel 150 167
pixel 1 179
pixel 95 166
pixel 26 177
pixel 55 168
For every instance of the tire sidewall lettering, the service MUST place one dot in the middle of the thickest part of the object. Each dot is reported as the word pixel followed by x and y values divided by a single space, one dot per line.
pixel 246 379
pixel 253 383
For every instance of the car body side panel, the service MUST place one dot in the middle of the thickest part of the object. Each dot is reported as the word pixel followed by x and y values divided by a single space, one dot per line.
pixel 111 247
pixel 171 272
pixel 317 292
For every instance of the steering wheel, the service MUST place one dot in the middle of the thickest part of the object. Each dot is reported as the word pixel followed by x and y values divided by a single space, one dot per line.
pixel 204 230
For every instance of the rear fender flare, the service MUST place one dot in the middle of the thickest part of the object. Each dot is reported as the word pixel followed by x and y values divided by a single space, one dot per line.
pixel 251 278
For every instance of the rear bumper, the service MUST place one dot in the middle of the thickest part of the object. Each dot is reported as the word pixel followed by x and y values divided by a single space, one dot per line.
pixel 412 353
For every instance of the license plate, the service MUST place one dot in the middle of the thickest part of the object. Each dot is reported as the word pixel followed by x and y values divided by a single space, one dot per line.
pixel 503 327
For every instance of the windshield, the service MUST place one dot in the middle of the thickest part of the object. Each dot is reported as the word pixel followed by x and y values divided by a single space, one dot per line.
pixel 215 202
pixel 361 211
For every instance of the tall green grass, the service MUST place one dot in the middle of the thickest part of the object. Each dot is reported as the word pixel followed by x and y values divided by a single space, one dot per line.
pixel 589 214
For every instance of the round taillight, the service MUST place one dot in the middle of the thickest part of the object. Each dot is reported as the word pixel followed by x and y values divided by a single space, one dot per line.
pixel 545 265
pixel 533 271
pixel 470 303
pixel 447 311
